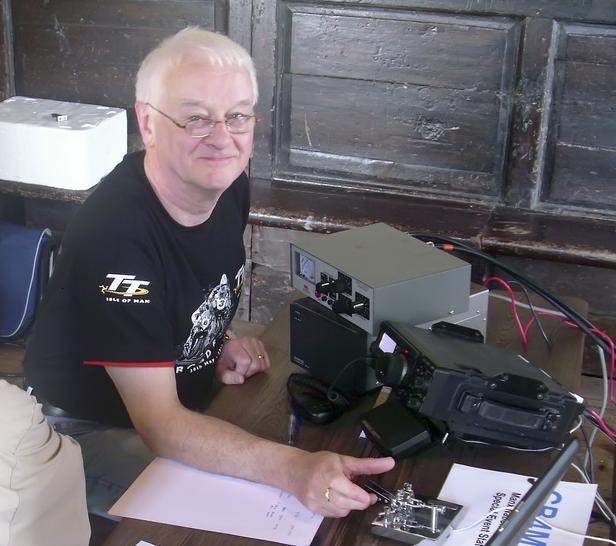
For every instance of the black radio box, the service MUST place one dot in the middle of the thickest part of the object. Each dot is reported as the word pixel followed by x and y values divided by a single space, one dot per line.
pixel 331 348
pixel 480 391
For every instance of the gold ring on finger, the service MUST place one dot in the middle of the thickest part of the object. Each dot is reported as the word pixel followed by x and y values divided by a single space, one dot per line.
pixel 328 494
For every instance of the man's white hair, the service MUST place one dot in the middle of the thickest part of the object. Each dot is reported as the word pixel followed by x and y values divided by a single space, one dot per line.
pixel 190 44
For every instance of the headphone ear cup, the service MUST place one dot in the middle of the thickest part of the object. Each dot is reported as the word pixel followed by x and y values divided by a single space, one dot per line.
pixel 312 400
pixel 300 380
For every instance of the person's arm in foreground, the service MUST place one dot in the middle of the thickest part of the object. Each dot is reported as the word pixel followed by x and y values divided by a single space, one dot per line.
pixel 175 432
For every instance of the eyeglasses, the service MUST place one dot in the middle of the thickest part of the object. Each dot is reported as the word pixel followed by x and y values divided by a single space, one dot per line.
pixel 198 127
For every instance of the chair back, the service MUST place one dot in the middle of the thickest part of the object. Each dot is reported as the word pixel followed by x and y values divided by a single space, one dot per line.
pixel 26 261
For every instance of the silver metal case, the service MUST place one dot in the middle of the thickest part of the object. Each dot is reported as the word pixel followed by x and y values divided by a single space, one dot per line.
pixel 477 315
pixel 395 276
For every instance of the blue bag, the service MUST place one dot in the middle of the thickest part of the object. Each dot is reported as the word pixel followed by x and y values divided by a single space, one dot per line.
pixel 26 256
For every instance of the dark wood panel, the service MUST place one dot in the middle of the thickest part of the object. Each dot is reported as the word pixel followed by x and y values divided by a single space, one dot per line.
pixel 589 44
pixel 90 51
pixel 58 66
pixel 444 128
pixel 265 53
pixel 590 124
pixel 586 10
pixel 403 47
pixel 584 176
pixel 116 13
pixel 6 52
pixel 75 47
pixel 239 21
pixel 580 161
pixel 105 85
pixel 589 82
pixel 375 174
pixel 100 84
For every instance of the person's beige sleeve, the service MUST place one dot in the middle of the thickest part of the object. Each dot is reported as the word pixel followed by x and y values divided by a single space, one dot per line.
pixel 42 484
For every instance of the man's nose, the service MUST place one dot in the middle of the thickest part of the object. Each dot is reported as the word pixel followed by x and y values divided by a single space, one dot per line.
pixel 220 134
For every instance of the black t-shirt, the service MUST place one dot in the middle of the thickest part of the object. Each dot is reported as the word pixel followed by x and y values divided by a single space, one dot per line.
pixel 132 287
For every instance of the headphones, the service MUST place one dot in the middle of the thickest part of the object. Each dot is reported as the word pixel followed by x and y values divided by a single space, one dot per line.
pixel 315 401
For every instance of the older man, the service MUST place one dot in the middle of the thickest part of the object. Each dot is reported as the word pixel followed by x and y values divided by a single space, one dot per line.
pixel 135 323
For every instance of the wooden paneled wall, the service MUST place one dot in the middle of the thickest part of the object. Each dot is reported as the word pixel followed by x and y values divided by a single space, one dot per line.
pixel 494 102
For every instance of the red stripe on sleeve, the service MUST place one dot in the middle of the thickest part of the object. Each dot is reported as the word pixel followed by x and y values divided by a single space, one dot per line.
pixel 165 364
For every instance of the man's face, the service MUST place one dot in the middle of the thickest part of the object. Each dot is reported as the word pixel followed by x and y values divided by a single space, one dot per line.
pixel 198 89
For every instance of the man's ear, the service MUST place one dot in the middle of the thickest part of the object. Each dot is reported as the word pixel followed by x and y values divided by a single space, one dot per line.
pixel 144 119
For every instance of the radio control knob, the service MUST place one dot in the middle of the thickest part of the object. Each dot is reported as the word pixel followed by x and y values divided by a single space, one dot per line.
pixel 325 287
pixel 345 305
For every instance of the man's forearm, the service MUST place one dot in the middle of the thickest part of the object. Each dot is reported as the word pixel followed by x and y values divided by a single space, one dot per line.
pixel 175 432
pixel 221 447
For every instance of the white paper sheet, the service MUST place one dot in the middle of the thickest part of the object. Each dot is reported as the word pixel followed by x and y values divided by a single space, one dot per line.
pixel 173 493
pixel 481 491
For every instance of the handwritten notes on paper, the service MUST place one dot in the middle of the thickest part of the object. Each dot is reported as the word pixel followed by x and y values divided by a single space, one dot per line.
pixel 173 493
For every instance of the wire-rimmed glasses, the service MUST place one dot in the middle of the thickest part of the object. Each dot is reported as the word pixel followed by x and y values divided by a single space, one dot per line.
pixel 200 127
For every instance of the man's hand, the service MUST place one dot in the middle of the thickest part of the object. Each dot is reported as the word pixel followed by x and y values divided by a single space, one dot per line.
pixel 241 358
pixel 322 482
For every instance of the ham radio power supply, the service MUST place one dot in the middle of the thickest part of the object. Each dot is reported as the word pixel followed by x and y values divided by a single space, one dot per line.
pixel 375 273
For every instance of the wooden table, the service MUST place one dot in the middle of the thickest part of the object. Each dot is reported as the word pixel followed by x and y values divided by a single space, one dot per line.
pixel 260 406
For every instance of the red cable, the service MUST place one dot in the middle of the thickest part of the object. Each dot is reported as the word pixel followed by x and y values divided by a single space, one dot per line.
pixel 514 309
pixel 604 335
pixel 603 425
pixel 524 335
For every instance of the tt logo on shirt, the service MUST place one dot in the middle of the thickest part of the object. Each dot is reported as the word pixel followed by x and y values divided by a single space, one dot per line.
pixel 124 289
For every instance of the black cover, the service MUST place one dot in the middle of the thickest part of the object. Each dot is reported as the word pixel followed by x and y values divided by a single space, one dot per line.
pixel 324 344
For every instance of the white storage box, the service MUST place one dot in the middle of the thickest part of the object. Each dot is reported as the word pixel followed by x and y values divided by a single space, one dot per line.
pixel 61 144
